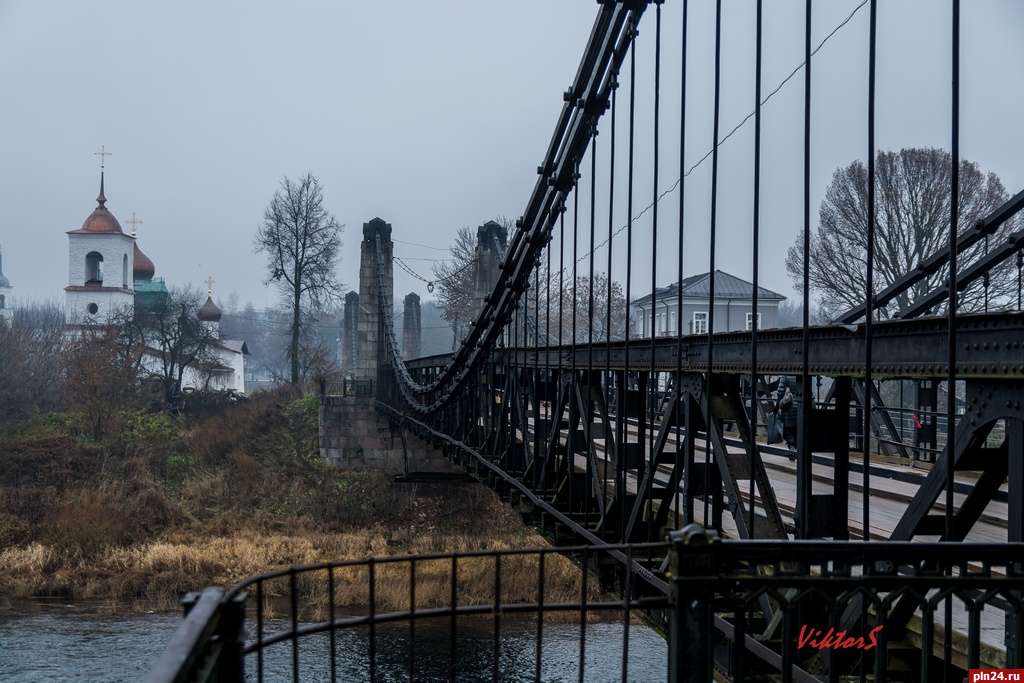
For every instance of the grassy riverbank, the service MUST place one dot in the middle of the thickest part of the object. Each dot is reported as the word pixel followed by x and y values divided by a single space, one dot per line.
pixel 168 504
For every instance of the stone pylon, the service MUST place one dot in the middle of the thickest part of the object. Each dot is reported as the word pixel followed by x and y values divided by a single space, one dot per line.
pixel 491 239
pixel 348 332
pixel 369 332
pixel 412 330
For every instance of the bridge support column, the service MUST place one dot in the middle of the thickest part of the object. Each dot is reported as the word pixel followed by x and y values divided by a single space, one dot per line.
pixel 1014 634
pixel 369 334
pixel 411 326
pixel 491 238
pixel 348 332
pixel 691 629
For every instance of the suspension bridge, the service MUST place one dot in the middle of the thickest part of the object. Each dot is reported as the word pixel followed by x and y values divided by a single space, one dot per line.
pixel 644 458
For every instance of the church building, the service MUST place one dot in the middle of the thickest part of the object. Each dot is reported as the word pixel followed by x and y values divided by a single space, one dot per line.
pixel 100 258
pixel 6 292
pixel 110 278
pixel 228 370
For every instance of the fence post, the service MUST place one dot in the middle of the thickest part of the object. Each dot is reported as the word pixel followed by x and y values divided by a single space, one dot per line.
pixel 690 632
pixel 231 632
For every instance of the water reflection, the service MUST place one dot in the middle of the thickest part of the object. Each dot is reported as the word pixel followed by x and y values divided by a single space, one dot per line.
pixel 475 653
pixel 74 643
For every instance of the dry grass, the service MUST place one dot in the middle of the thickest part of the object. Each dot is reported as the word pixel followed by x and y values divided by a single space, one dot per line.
pixel 155 574
pixel 171 505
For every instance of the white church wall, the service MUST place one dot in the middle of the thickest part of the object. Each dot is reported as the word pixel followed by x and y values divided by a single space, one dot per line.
pixel 237 363
pixel 7 303
pixel 109 306
pixel 118 252
pixel 200 380
pixel 113 247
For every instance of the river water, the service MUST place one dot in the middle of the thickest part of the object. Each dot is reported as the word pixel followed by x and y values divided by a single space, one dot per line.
pixel 54 642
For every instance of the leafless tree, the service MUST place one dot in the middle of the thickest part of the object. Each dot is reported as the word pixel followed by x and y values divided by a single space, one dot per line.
pixel 301 241
pixel 176 341
pixel 912 199
pixel 791 314
pixel 455 281
pixel 578 297
pixel 30 368
pixel 100 375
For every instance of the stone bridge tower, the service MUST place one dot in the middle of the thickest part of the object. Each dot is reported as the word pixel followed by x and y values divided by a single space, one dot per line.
pixel 411 326
pixel 348 333
pixel 369 333
pixel 491 238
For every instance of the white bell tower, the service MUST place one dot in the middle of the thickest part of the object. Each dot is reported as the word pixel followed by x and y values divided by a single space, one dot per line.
pixel 100 263
pixel 6 294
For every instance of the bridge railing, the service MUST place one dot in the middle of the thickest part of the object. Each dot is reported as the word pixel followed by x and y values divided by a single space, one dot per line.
pixel 291 606
pixel 802 610
pixel 843 608
pixel 338 384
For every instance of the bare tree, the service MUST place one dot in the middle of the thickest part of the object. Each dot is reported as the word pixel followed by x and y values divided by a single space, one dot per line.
pixel 30 366
pixel 301 241
pixel 176 341
pixel 791 314
pixel 577 297
pixel 100 376
pixel 912 199
pixel 455 280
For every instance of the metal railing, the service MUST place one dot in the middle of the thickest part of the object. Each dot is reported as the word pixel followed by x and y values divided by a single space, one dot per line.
pixel 871 610
pixel 315 599
pixel 789 611
pixel 337 384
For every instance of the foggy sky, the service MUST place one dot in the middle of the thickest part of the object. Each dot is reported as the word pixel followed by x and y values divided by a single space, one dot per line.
pixel 435 115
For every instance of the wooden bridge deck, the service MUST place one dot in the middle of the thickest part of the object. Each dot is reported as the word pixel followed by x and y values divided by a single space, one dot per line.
pixel 891 493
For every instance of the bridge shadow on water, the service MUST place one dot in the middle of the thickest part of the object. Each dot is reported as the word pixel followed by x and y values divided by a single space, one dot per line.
pixel 648 652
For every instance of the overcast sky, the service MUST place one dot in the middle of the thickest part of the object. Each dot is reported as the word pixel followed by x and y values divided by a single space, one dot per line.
pixel 434 115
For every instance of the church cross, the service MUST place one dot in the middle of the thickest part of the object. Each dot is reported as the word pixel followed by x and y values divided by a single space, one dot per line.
pixel 209 285
pixel 133 221
pixel 103 154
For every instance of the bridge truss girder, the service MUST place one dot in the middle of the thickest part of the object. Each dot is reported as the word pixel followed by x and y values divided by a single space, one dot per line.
pixel 549 438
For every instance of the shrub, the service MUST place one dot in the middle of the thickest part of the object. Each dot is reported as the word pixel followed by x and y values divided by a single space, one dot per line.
pixel 89 521
pixel 13 531
pixel 142 429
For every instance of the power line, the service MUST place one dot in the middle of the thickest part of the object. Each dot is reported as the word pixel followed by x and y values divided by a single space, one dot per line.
pixel 431 282
pixel 417 244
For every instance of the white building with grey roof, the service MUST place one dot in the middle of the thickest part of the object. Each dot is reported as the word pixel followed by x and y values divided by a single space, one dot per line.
pixel 733 307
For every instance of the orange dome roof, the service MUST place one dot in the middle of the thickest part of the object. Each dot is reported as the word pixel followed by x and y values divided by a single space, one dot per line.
pixel 101 221
pixel 143 268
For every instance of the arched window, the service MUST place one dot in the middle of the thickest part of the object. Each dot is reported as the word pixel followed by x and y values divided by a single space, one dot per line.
pixel 2 302
pixel 124 271
pixel 94 268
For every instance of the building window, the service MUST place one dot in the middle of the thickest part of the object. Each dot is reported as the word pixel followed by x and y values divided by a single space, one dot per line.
pixel 750 320
pixel 94 268
pixel 2 301
pixel 124 271
pixel 700 322
pixel 93 309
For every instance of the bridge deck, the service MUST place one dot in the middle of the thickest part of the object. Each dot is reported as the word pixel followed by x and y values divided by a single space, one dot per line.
pixel 988 345
pixel 890 498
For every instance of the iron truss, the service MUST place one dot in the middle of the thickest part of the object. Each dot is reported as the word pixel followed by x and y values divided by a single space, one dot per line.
pixel 601 440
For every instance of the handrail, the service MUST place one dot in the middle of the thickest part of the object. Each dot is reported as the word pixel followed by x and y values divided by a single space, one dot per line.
pixel 192 640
